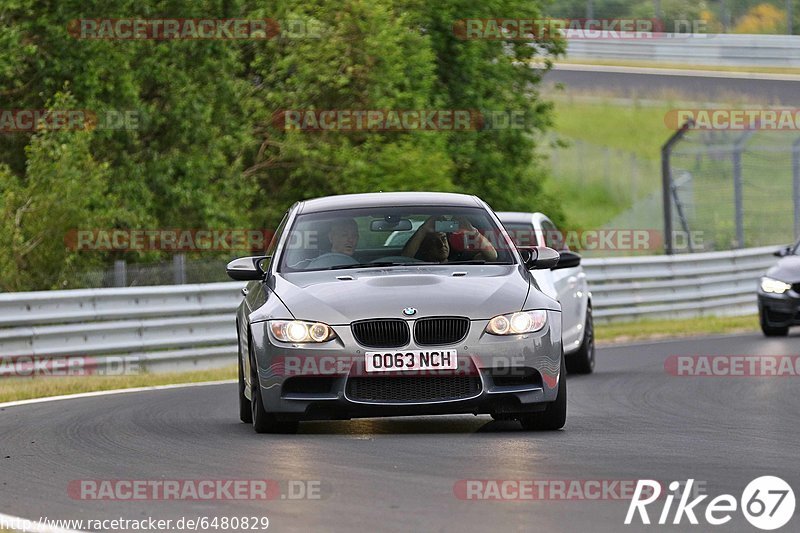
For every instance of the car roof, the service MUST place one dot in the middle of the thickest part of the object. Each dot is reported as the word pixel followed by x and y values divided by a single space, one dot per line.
pixel 387 199
pixel 516 217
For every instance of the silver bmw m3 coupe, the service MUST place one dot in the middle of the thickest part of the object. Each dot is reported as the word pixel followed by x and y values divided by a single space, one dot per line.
pixel 397 304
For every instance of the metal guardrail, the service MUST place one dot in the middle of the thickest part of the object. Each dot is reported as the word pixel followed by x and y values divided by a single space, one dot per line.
pixel 180 327
pixel 735 50
pixel 175 327
pixel 678 286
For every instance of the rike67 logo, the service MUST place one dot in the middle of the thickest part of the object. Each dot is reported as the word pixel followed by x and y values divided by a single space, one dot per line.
pixel 767 503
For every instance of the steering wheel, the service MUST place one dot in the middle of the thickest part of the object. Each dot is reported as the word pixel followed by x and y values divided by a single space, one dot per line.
pixel 332 259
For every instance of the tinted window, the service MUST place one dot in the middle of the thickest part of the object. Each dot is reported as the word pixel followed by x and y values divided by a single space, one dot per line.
pixel 552 237
pixel 521 234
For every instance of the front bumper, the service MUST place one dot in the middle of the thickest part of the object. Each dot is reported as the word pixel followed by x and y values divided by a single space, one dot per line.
pixel 496 375
pixel 779 310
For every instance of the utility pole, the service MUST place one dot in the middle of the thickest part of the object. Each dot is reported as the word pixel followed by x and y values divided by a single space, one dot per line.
pixel 789 17
pixel 589 9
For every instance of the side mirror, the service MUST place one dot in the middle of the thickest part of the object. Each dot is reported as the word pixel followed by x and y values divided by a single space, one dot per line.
pixel 568 259
pixel 538 257
pixel 247 268
pixel 783 252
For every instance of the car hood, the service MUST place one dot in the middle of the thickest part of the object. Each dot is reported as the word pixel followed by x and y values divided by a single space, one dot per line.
pixel 787 269
pixel 485 291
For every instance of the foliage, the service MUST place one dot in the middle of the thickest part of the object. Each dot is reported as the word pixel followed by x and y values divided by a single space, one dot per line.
pixel 204 150
pixel 763 18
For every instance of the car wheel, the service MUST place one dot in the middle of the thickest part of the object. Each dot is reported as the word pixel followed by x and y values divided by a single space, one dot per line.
pixel 555 414
pixel 582 361
pixel 264 421
pixel 771 331
pixel 245 406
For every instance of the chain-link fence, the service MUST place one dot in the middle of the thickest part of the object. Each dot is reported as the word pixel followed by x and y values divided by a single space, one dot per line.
pixel 627 176
pixel 736 189
pixel 178 271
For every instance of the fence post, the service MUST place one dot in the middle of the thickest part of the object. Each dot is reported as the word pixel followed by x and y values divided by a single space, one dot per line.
pixel 120 273
pixel 179 269
pixel 737 196
pixel 738 186
pixel 666 183
pixel 796 186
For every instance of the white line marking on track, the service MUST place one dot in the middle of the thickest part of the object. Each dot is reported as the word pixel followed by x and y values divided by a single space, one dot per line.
pixel 110 392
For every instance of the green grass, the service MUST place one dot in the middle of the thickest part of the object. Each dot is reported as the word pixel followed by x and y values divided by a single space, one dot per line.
pixel 663 329
pixel 635 128
pixel 610 159
pixel 586 206
pixel 12 389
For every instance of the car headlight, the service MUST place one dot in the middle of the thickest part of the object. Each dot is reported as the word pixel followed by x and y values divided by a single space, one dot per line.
pixel 517 323
pixel 775 286
pixel 300 331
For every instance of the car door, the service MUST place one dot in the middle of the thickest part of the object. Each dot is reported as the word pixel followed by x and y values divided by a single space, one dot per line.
pixel 255 295
pixel 570 287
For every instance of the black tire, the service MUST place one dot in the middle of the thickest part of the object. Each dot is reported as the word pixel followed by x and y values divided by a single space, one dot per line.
pixel 245 407
pixel 582 361
pixel 771 331
pixel 555 415
pixel 263 421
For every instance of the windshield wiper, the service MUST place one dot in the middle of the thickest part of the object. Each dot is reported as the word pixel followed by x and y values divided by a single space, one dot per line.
pixel 476 262
pixel 366 265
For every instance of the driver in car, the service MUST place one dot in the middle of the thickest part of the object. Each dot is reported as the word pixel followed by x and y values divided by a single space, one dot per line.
pixel 343 235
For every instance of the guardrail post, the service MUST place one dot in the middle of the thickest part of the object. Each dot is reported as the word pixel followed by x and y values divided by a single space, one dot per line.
pixel 179 269
pixel 666 184
pixel 120 273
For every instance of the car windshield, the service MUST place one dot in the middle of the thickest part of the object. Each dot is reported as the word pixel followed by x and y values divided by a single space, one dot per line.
pixel 388 236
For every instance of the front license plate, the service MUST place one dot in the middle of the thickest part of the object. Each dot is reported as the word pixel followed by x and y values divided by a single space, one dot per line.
pixel 411 360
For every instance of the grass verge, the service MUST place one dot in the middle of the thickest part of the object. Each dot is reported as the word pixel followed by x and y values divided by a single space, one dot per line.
pixel 636 128
pixel 667 329
pixel 12 389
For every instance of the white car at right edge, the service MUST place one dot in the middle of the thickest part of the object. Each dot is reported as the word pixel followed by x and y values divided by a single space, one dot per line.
pixel 567 285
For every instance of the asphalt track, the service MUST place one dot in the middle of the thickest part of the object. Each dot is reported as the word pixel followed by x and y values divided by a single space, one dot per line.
pixel 630 420
pixel 697 86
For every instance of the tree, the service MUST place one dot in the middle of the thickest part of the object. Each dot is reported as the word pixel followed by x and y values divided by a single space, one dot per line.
pixel 63 187
pixel 205 150
pixel 763 18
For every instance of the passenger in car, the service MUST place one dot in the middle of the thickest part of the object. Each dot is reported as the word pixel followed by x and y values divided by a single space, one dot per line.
pixel 430 245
